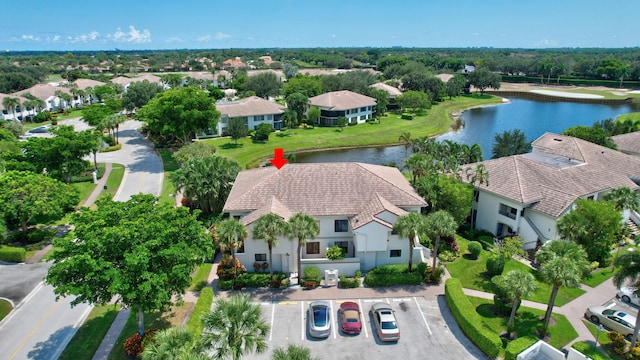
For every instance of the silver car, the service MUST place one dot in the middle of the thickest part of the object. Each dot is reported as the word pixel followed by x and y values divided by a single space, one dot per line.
pixel 319 316
pixel 628 295
pixel 384 320
pixel 616 320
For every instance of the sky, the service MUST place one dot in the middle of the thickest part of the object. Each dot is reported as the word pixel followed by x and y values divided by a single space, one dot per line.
pixel 66 25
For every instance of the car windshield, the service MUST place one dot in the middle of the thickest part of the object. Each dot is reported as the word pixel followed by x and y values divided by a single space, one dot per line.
pixel 352 320
pixel 320 317
pixel 389 325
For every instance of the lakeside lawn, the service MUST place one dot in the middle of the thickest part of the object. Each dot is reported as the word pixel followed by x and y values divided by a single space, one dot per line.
pixel 436 120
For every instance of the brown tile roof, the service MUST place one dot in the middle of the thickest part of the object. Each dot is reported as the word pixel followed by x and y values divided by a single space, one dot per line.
pixel 249 106
pixel 42 91
pixel 2 96
pixel 558 171
pixel 202 75
pixel 377 205
pixel 629 143
pixel 392 90
pixel 342 189
pixel 341 100
pixel 85 83
pixel 444 77
pixel 121 80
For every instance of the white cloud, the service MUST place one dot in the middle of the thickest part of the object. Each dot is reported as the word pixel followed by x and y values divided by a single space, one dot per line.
pixel 221 36
pixel 92 36
pixel 174 39
pixel 546 43
pixel 133 36
pixel 30 38
pixel 56 38
pixel 203 38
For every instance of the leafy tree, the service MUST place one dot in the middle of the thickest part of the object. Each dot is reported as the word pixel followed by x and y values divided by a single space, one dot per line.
pixel 269 227
pixel 409 226
pixel 264 84
pixel 510 142
pixel 438 224
pixel 454 86
pixel 112 124
pixel 136 251
pixel 518 284
pixel 382 101
pixel 94 114
pixel 230 234
pixel 387 61
pixel 415 100
pixel 595 225
pixel 180 113
pixel 450 195
pixel 298 103
pixel 173 80
pixel 628 265
pixel 305 85
pixel 415 81
pixel 215 92
pixel 342 122
pixel 103 92
pixel 290 118
pixel 595 135
pixel 313 115
pixel 302 227
pixel 624 198
pixel 235 328
pixel 356 81
pixel 197 149
pixel 262 132
pixel 289 70
pixel 139 93
pixel 237 129
pixel 26 196
pixel 207 181
pixel 293 352
pixel 562 263
pixel 482 79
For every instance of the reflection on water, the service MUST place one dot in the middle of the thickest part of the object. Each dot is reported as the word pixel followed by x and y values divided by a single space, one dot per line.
pixel 534 118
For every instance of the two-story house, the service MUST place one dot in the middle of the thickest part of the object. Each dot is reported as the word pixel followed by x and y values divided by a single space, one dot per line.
pixel 253 110
pixel 356 108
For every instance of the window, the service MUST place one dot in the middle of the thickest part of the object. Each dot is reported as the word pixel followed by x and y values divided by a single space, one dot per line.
pixel 258 118
pixel 363 109
pixel 240 249
pixel 508 211
pixel 341 226
pixel 590 197
pixel 363 117
pixel 344 245
pixel 313 248
pixel 395 253
pixel 261 257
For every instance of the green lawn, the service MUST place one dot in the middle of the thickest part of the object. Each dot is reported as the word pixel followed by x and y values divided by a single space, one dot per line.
pixel 598 277
pixel 199 279
pixel 635 117
pixel 5 308
pixel 89 336
pixel 527 322
pixel 436 121
pixel 170 165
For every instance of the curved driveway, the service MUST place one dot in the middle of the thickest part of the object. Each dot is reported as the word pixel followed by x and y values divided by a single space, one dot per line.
pixel 40 327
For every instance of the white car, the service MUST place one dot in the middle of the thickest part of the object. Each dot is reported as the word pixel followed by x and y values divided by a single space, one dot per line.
pixel 628 294
pixel 615 320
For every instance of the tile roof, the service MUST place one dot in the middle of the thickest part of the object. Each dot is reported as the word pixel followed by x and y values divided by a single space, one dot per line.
pixel 2 96
pixel 250 106
pixel 341 100
pixel 323 189
pixel 444 77
pixel 42 91
pixel 558 171
pixel 377 205
pixel 85 83
pixel 392 90
pixel 629 143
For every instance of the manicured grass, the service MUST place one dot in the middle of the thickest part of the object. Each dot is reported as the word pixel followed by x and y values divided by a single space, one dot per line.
pixel 527 322
pixel 603 340
pixel 5 308
pixel 72 114
pixel 199 279
pixel 436 121
pixel 89 336
pixel 85 189
pixel 156 320
pixel 598 277
pixel 635 117
pixel 168 187
pixel 115 179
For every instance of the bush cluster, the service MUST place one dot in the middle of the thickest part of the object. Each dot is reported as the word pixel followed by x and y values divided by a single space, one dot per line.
pixel 225 268
pixel 13 254
pixel 517 346
pixel 312 273
pixel 348 283
pixel 475 248
pixel 389 275
pixel 469 320
pixel 195 326
pixel 133 346
pixel 252 280
pixel 406 116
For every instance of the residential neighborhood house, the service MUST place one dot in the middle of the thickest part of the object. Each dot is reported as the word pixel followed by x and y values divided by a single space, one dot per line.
pixel 20 111
pixel 253 110
pixel 628 143
pixel 355 204
pixel 527 194
pixel 47 93
pixel 356 108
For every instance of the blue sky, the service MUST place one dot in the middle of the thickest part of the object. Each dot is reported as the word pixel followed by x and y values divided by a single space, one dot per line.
pixel 198 24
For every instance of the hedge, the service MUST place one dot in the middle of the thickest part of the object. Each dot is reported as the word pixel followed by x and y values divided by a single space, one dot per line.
pixel 390 275
pixel 406 116
pixel 469 320
pixel 348 283
pixel 517 346
pixel 195 326
pixel 13 254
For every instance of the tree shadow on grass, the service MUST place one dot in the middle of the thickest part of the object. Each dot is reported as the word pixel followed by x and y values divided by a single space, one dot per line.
pixel 230 146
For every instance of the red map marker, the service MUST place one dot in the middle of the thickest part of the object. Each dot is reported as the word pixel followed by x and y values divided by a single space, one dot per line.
pixel 278 158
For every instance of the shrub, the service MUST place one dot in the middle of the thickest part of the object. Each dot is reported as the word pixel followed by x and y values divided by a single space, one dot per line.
pixel 475 248
pixel 13 254
pixel 469 320
pixel 486 241
pixel 310 284
pixel 517 346
pixel 225 284
pixel 350 283
pixel 42 116
pixel 335 253
pixel 618 344
pixel 133 345
pixel 495 265
pixel 225 268
pixel 389 275
pixel 312 273
pixel 195 325
pixel 447 256
pixel 111 148
pixel 434 275
pixel 358 274
pixel 406 116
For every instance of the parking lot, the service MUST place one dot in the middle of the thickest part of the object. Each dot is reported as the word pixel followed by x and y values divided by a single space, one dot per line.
pixel 427 329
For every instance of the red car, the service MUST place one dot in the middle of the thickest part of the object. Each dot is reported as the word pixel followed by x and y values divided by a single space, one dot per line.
pixel 350 318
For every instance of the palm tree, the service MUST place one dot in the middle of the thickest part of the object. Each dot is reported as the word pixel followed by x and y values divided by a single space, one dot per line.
pixel 628 265
pixel 268 227
pixel 60 95
pixel 234 328
pixel 439 223
pixel 510 142
pixel 562 263
pixel 405 139
pixel 624 198
pixel 419 164
pixel 10 103
pixel 173 343
pixel 230 234
pixel 302 227
pixel 293 352
pixel 518 284
pixel 409 225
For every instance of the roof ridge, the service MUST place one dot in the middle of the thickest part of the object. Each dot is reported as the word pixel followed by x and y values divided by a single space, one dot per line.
pixel 387 181
pixel 255 185
pixel 520 187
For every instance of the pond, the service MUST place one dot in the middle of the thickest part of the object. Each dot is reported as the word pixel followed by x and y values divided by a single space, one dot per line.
pixel 534 118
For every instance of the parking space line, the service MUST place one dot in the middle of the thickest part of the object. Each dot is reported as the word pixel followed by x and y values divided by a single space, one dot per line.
pixel 422 314
pixel 273 316
pixel 366 334
pixel 302 321
pixel 333 316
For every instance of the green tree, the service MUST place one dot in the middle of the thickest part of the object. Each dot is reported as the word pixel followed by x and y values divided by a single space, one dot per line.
pixel 268 227
pixel 382 101
pixel 454 86
pixel 415 100
pixel 313 115
pixel 562 263
pixel 139 93
pixel 174 343
pixel 342 122
pixel 262 132
pixel 409 226
pixel 595 225
pixel 11 103
pixel 235 328
pixel 594 134
pixel 230 234
pixel 452 196
pixel 215 92
pixel 136 251
pixel 302 227
pixel 264 84
pixel 438 224
pixel 518 284
pixel 112 124
pixel 197 149
pixel 482 79
pixel 624 198
pixel 306 85
pixel 94 114
pixel 289 70
pixel 405 139
pixel 510 142
pixel 180 113
pixel 173 80
pixel 103 92
pixel 290 118
pixel 207 181
pixel 26 196
pixel 293 352
pixel 628 265
pixel 237 129
pixel 298 103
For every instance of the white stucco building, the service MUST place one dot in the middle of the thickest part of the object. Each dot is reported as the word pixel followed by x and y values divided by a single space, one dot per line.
pixel 356 108
pixel 253 111
pixel 355 205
